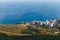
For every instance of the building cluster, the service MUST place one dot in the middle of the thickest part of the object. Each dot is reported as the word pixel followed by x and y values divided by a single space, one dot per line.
pixel 50 23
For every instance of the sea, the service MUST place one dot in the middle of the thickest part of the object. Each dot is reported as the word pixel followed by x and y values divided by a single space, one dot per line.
pixel 13 12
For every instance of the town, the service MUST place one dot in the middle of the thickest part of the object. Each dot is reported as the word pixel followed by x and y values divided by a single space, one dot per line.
pixel 42 27
pixel 50 23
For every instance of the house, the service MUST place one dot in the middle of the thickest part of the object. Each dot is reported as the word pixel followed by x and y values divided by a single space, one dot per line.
pixel 47 22
pixel 52 23
pixel 35 22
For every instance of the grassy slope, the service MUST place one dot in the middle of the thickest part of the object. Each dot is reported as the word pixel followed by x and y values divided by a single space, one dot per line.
pixel 6 32
pixel 16 29
pixel 11 29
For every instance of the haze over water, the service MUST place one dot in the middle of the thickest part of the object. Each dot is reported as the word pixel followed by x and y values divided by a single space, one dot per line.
pixel 12 12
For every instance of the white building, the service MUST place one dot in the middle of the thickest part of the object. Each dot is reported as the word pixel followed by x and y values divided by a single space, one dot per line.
pixel 51 24
pixel 47 22
pixel 36 22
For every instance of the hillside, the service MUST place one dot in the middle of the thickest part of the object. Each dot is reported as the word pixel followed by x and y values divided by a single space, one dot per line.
pixel 11 29
pixel 14 32
pixel 21 29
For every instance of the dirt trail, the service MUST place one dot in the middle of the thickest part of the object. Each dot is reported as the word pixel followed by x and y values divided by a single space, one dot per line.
pixel 14 34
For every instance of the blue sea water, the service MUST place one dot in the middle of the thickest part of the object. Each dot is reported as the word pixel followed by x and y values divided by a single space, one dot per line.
pixel 18 12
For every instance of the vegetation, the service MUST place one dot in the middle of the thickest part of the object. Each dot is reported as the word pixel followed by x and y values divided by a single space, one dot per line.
pixel 13 31
pixel 35 37
pixel 10 29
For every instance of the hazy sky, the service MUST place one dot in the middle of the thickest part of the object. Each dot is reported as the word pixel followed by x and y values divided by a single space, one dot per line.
pixel 28 0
